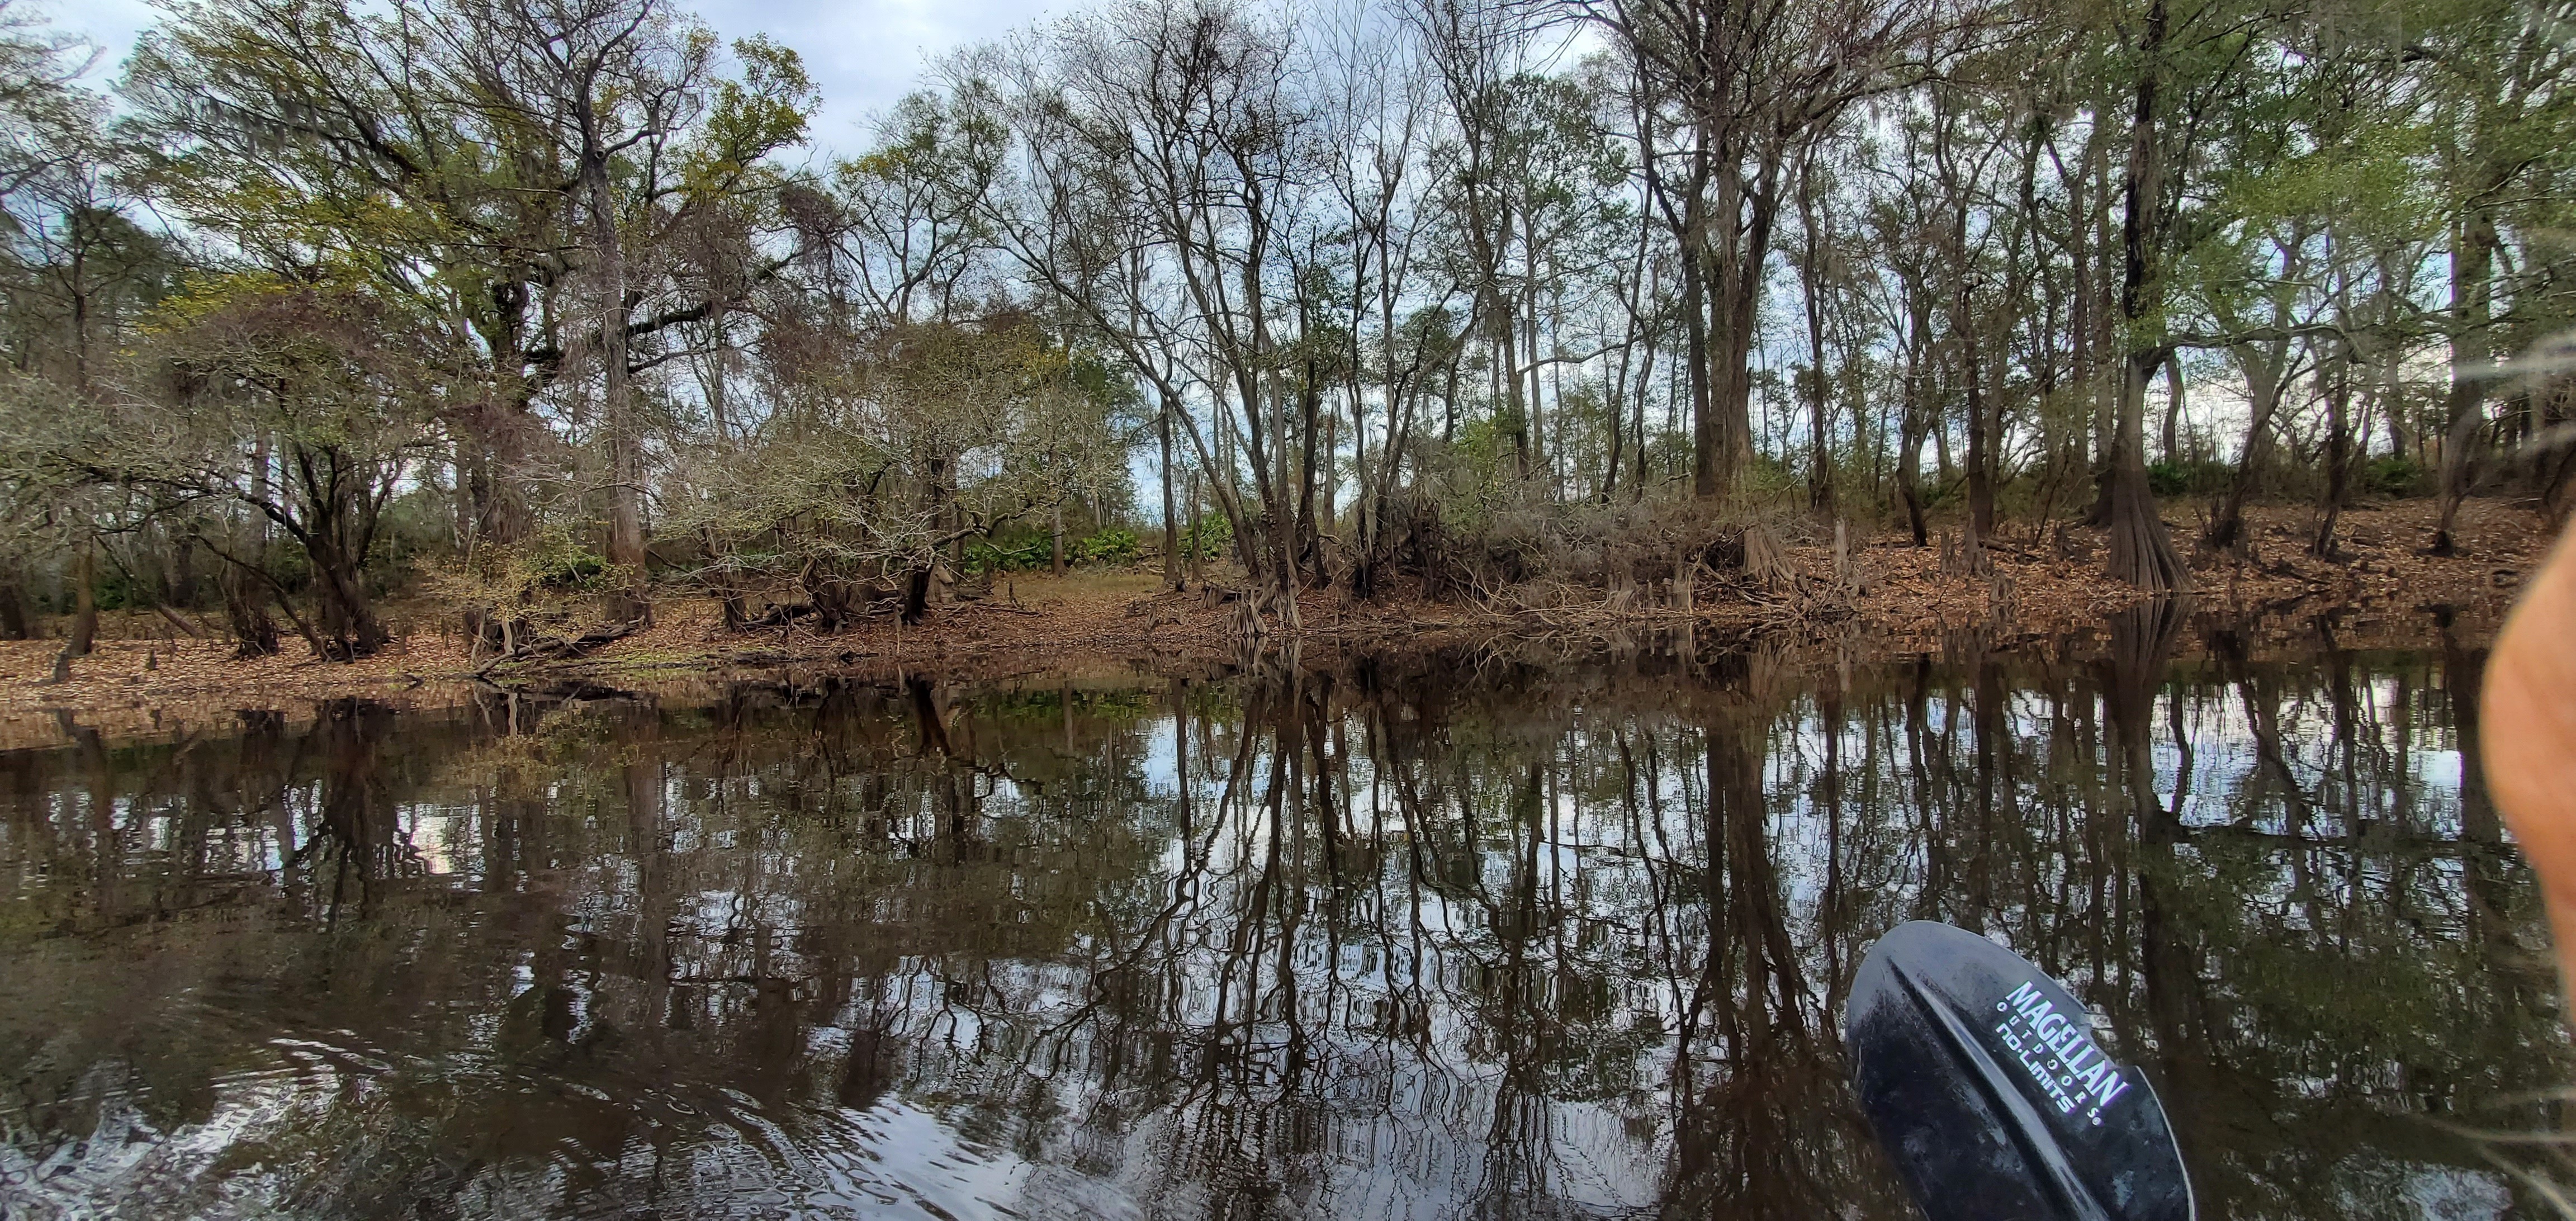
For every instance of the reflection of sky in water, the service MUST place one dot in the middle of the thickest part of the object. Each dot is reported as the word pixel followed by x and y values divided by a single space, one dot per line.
pixel 855 981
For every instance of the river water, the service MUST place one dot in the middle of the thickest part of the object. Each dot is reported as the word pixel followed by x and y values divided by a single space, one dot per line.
pixel 1433 940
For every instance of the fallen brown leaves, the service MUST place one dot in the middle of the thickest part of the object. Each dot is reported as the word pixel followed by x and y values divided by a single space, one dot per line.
pixel 2030 588
pixel 141 686
pixel 2048 589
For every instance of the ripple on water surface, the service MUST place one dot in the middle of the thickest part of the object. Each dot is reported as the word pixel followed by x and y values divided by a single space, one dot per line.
pixel 1565 944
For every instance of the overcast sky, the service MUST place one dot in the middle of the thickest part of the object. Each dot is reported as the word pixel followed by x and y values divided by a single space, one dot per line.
pixel 863 53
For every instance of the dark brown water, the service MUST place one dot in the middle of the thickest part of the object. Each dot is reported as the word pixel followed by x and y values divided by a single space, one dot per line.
pixel 1365 945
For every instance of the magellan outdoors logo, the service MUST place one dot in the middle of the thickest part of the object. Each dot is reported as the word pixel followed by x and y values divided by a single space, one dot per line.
pixel 2058 1054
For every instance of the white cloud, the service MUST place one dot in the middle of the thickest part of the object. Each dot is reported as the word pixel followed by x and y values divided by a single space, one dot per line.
pixel 864 54
pixel 112 24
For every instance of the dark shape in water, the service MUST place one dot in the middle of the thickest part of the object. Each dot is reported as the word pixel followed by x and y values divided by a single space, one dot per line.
pixel 1982 1079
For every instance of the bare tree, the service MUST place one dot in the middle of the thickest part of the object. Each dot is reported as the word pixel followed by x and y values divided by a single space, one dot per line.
pixel 1745 83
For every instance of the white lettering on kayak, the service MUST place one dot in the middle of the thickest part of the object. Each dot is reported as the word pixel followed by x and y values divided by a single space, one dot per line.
pixel 2056 1051
pixel 2110 1089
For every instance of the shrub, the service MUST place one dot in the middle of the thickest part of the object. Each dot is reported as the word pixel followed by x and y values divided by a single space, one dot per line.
pixel 2393 475
pixel 2166 478
pixel 573 569
pixel 1116 545
pixel 115 591
pixel 1208 538
pixel 1034 551
pixel 2184 477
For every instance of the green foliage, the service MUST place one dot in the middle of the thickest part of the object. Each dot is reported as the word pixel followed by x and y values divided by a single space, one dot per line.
pixel 1032 552
pixel 116 591
pixel 372 237
pixel 2394 475
pixel 2168 478
pixel 1113 546
pixel 1771 475
pixel 1109 548
pixel 552 569
pixel 1208 538
pixel 577 568
pixel 418 526
pixel 885 443
pixel 2188 477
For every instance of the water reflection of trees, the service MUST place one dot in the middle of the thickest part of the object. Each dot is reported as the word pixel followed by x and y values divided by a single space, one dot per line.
pixel 1354 943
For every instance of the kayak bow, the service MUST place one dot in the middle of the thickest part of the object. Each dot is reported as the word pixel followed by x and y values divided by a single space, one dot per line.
pixel 1981 1077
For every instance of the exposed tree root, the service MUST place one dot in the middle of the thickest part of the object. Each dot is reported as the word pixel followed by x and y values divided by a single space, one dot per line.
pixel 564 648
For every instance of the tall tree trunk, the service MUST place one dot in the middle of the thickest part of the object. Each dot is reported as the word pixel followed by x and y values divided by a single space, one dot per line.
pixel 1820 456
pixel 1909 454
pixel 2473 251
pixel 1614 411
pixel 2338 451
pixel 2105 373
pixel 1982 474
pixel 1311 460
pixel 13 603
pixel 1704 428
pixel 2081 355
pixel 1981 458
pixel 617 396
pixel 348 615
pixel 496 444
pixel 1966 339
pixel 1736 297
pixel 1365 518
pixel 1328 491
pixel 2141 552
pixel 80 310
pixel 1541 454
pixel 1687 221
pixel 1516 409
pixel 2262 370
pixel 2392 390
pixel 84 600
pixel 1645 377
pixel 2172 448
pixel 1171 515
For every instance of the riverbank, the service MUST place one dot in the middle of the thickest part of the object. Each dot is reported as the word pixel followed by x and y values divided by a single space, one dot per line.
pixel 1891 598
pixel 470 955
